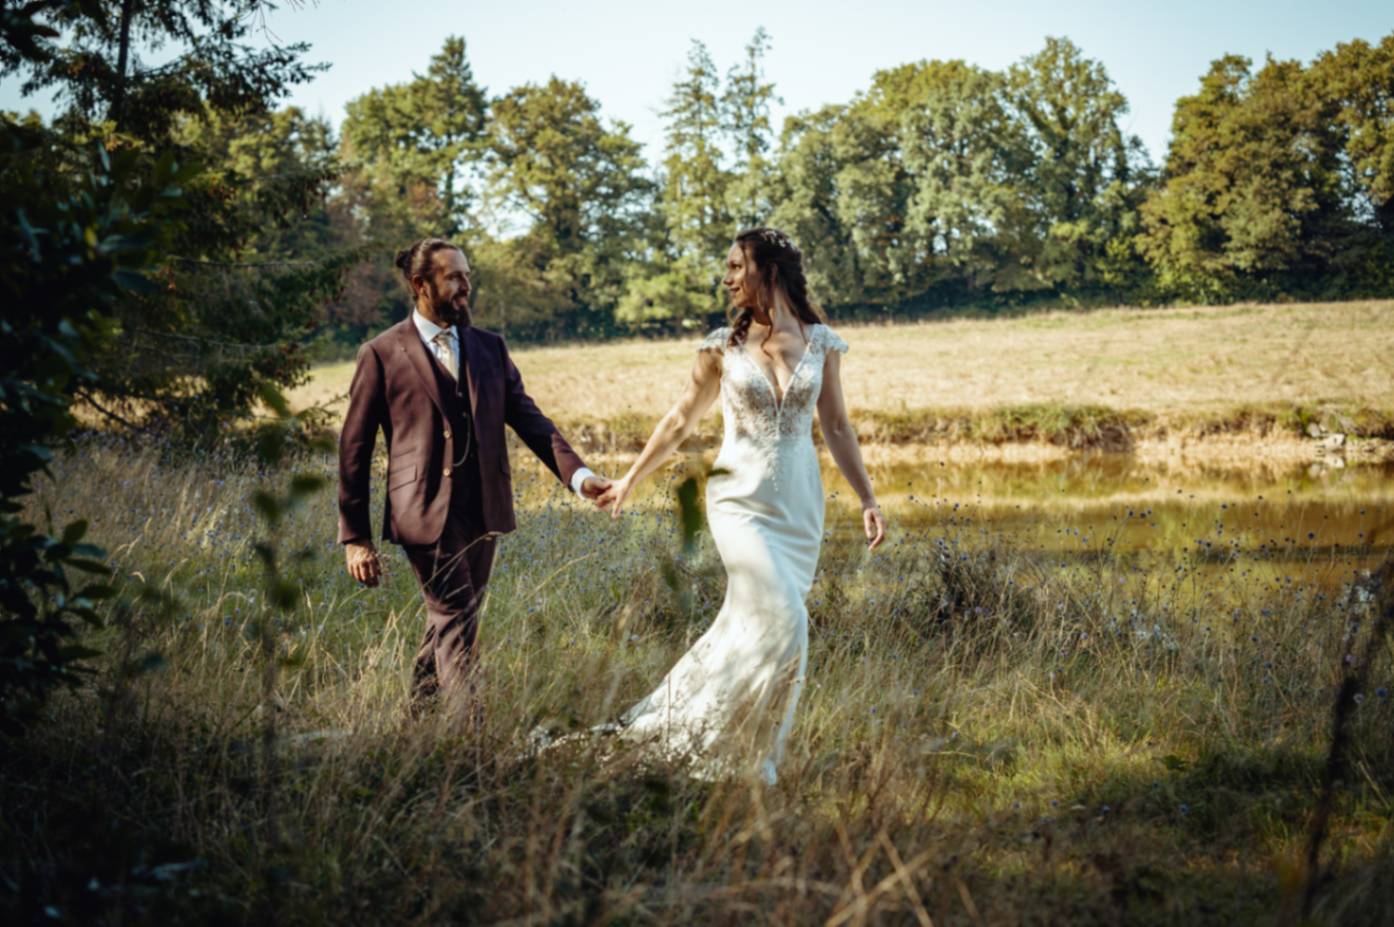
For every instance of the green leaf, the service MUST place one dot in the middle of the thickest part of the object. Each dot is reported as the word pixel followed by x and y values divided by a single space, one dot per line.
pixel 74 531
pixel 74 652
pixel 267 505
pixel 273 398
pixel 148 662
pixel 303 484
pixel 134 282
pixel 97 590
pixel 284 594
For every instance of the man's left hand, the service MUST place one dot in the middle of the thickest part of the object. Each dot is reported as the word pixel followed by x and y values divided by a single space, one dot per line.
pixel 593 487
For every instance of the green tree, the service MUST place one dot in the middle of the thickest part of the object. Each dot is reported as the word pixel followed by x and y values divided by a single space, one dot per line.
pixel 695 180
pixel 71 246
pixel 77 235
pixel 1359 79
pixel 1084 177
pixel 1250 202
pixel 238 287
pixel 89 53
pixel 418 148
pixel 578 181
pixel 1357 82
pixel 873 188
pixel 966 157
pixel 806 174
pixel 745 112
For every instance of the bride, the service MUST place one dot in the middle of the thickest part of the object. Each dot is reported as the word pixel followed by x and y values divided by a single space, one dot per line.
pixel 729 702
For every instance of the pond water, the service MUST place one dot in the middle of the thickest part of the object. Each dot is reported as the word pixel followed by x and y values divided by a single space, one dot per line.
pixel 1318 521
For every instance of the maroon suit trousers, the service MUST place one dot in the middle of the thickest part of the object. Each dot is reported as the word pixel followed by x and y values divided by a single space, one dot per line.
pixel 453 574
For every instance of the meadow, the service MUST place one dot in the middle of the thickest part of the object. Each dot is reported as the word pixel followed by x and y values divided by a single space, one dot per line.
pixel 1132 723
pixel 1237 382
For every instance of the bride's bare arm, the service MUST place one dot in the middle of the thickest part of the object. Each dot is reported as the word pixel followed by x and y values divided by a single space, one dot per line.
pixel 672 429
pixel 841 439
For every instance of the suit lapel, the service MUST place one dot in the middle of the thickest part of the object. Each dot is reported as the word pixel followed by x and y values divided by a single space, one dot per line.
pixel 409 343
pixel 474 365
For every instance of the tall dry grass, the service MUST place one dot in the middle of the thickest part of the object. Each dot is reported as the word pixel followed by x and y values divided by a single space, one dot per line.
pixel 1174 366
pixel 987 736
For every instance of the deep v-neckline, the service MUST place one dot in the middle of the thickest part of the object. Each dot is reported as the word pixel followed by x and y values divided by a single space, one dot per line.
pixel 772 378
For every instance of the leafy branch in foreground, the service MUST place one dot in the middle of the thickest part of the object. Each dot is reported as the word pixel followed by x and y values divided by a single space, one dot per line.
pixel 68 250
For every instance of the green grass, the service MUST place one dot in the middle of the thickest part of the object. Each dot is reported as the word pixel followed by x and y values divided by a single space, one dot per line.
pixel 1102 379
pixel 1066 425
pixel 987 737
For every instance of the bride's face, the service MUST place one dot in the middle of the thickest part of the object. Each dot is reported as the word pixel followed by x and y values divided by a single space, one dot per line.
pixel 741 281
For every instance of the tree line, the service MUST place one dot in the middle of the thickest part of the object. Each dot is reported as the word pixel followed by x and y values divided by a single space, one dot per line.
pixel 941 184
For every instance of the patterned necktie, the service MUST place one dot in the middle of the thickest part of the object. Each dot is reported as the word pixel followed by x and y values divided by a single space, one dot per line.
pixel 445 353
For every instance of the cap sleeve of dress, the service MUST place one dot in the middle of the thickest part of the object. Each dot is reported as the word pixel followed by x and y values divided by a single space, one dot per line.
pixel 716 340
pixel 832 341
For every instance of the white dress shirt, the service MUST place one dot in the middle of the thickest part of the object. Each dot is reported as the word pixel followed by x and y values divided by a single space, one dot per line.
pixel 428 331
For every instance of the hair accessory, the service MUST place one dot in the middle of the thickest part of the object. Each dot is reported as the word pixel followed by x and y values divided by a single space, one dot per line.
pixel 777 238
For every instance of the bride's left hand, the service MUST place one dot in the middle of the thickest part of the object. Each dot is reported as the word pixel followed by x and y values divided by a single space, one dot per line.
pixel 875 524
pixel 613 498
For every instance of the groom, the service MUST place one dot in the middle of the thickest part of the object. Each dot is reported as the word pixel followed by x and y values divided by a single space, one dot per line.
pixel 441 390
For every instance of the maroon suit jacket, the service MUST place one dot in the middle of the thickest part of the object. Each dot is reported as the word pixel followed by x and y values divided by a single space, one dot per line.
pixel 394 388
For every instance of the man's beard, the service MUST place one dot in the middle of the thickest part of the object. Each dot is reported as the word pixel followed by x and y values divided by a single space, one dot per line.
pixel 450 311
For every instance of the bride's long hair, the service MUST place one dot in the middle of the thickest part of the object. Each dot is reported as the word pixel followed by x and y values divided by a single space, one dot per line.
pixel 778 265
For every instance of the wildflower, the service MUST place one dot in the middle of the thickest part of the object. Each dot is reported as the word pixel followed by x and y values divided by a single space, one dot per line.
pixel 1185 808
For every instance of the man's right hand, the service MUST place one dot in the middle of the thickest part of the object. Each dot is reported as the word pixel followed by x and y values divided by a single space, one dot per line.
pixel 363 562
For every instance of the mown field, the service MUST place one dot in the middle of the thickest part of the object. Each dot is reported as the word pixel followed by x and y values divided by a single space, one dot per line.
pixel 992 734
pixel 1134 379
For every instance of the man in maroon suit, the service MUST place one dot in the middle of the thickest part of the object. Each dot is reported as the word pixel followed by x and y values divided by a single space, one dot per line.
pixel 441 391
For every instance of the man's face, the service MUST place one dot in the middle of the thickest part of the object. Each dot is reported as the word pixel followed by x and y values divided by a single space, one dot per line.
pixel 448 286
pixel 740 281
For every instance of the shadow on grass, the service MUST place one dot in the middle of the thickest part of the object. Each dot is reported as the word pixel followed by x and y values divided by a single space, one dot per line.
pixel 165 825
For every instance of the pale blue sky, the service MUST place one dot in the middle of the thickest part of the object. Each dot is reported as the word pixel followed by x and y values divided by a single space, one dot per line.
pixel 628 52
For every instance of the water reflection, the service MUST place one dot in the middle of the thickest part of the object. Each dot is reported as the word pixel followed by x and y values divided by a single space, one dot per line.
pixel 1322 521
pixel 1315 522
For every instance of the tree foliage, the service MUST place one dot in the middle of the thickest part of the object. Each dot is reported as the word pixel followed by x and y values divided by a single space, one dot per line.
pixel 578 180
pixel 419 146
pixel 1277 180
pixel 940 183
pixel 745 118
pixel 248 266
pixel 695 178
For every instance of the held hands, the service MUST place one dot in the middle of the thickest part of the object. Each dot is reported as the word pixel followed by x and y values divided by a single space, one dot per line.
pixel 362 561
pixel 613 499
pixel 594 487
pixel 875 525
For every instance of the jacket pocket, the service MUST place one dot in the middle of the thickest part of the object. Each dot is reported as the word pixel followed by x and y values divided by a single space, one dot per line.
pixel 401 475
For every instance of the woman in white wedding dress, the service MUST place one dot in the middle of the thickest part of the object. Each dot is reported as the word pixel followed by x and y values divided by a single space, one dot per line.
pixel 729 702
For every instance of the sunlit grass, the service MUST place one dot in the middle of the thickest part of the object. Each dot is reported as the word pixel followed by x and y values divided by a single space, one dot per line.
pixel 1109 378
pixel 988 734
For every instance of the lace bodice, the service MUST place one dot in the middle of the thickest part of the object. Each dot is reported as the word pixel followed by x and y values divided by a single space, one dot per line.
pixel 752 414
